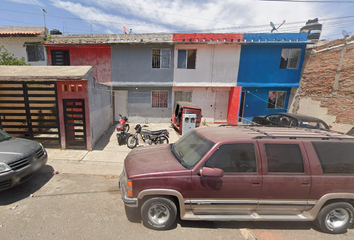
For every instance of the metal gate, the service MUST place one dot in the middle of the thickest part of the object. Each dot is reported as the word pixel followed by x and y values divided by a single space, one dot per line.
pixel 75 124
pixel 30 110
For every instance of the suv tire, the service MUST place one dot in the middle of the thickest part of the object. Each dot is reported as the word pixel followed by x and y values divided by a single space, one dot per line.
pixel 158 213
pixel 335 217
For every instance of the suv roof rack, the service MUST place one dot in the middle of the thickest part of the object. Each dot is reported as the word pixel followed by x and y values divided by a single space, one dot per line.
pixel 288 132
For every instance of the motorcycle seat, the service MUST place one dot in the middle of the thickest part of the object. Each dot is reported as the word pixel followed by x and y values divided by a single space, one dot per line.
pixel 158 132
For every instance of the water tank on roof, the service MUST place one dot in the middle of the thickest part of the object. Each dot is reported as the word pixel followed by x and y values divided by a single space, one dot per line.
pixel 313 28
pixel 55 32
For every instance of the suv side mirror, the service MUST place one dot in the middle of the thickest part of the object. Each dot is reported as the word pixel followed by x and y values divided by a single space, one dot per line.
pixel 211 172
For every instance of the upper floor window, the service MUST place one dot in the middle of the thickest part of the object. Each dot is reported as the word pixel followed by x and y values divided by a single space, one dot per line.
pixel 60 58
pixel 290 58
pixel 161 58
pixel 186 58
pixel 159 99
pixel 234 158
pixel 35 53
pixel 276 99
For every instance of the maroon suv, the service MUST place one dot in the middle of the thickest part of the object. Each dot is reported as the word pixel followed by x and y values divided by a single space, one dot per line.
pixel 244 173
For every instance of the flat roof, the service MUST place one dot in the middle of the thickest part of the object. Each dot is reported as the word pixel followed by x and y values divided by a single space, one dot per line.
pixel 43 73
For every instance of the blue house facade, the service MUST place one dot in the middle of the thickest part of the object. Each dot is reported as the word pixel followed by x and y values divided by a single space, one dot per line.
pixel 269 72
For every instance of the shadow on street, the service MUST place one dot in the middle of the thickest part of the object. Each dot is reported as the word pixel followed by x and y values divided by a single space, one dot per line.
pixel 31 186
pixel 104 140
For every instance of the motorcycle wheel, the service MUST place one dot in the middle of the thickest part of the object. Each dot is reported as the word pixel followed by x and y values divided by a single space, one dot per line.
pixel 132 141
pixel 161 140
pixel 126 128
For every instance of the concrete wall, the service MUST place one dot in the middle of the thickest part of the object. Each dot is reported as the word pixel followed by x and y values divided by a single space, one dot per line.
pixel 16 45
pixel 216 65
pixel 327 88
pixel 139 106
pixel 100 107
pixel 97 56
pixel 132 66
pixel 205 98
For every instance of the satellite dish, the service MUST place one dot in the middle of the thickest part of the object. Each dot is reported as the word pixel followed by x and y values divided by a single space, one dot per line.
pixel 345 33
pixel 126 30
pixel 275 28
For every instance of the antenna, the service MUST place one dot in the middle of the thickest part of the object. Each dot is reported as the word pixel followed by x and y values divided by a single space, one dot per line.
pixel 275 28
pixel 345 33
pixel 126 30
pixel 44 12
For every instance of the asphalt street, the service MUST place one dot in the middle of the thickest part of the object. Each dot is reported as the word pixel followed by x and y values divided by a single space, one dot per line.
pixel 83 202
pixel 76 206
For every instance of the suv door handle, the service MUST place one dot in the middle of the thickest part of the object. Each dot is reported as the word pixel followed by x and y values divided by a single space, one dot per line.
pixel 305 183
pixel 256 184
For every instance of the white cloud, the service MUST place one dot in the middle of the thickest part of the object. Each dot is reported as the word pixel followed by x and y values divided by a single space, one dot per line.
pixel 197 15
pixel 96 16
pixel 32 2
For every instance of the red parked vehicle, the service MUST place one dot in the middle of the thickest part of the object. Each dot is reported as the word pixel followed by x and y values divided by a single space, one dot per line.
pixel 122 129
pixel 182 108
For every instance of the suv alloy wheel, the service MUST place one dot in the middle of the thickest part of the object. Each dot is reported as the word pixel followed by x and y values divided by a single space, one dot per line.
pixel 335 217
pixel 158 213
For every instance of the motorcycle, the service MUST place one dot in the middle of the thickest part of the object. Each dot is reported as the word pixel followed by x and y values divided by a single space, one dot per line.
pixel 150 137
pixel 122 129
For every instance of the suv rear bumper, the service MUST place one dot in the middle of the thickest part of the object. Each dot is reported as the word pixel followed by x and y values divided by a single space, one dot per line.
pixel 128 201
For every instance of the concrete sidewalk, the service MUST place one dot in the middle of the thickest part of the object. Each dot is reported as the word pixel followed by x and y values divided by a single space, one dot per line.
pixel 106 158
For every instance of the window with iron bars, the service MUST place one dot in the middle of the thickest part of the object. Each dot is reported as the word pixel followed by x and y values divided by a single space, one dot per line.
pixel 159 99
pixel 161 58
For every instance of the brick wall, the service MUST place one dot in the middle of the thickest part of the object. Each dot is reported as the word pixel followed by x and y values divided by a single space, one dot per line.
pixel 327 83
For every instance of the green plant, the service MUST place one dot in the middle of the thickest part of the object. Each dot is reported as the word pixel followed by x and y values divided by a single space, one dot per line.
pixel 8 58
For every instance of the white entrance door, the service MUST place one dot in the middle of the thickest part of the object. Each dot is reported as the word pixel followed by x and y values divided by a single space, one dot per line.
pixel 221 105
pixel 120 104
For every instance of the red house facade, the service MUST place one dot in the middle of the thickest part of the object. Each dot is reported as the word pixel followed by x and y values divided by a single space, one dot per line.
pixel 96 55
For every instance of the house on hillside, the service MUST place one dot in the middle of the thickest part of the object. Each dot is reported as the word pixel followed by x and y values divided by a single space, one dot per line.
pixel 25 42
pixel 327 87
pixel 269 72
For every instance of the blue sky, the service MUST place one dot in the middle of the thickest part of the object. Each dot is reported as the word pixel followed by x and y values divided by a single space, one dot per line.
pixel 169 16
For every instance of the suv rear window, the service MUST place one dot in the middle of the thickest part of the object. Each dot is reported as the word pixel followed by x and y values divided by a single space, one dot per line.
pixel 335 157
pixel 284 158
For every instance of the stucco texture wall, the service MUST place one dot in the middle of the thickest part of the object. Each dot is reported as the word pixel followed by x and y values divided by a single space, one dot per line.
pixel 140 109
pixel 16 45
pixel 327 87
pixel 260 66
pixel 97 56
pixel 216 65
pixel 100 107
pixel 132 66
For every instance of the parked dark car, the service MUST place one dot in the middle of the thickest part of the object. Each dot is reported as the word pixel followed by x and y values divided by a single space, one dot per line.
pixel 20 159
pixel 244 173
pixel 291 119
